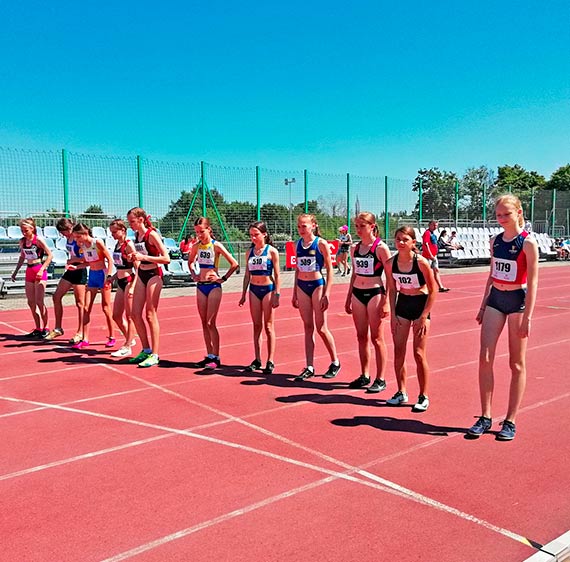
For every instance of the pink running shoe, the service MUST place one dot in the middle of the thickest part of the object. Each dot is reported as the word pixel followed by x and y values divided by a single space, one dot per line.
pixel 111 342
pixel 80 344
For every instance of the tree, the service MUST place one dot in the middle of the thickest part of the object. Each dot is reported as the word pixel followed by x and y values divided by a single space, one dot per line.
pixel 520 182
pixel 438 189
pixel 473 185
pixel 560 179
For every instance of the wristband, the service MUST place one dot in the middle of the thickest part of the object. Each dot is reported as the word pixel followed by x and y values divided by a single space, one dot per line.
pixel 224 278
pixel 277 294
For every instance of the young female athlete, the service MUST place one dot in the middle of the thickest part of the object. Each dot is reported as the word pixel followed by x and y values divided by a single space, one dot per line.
pixel 125 290
pixel 262 276
pixel 35 252
pixel 311 293
pixel 207 252
pixel 344 244
pixel 149 254
pixel 98 258
pixel 411 290
pixel 75 279
pixel 367 301
pixel 509 297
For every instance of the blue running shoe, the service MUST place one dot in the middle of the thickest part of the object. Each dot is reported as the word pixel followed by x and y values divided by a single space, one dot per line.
pixel 507 432
pixel 482 425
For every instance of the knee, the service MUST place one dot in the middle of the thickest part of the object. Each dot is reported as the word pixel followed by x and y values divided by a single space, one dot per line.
pixel 362 338
pixel 257 326
pixel 419 355
pixel 517 367
pixel 150 316
pixel 269 328
pixel 322 330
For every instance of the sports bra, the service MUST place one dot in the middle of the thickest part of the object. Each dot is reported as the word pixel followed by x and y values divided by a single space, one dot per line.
pixel 262 264
pixel 368 265
pixel 413 280
pixel 508 264
pixel 145 248
pixel 206 255
pixel 32 252
pixel 311 258
pixel 92 253
pixel 120 257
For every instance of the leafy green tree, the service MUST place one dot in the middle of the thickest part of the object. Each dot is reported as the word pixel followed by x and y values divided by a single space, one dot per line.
pixel 520 182
pixel 473 185
pixel 438 188
pixel 560 179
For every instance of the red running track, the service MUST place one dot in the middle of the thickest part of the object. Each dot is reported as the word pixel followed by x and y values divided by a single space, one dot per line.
pixel 104 461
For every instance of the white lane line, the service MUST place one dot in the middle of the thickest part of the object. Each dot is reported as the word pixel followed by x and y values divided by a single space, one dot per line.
pixel 382 484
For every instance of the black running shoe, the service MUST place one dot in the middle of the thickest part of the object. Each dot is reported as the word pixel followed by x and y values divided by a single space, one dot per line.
pixel 332 371
pixel 305 374
pixel 253 366
pixel 202 364
pixel 377 386
pixel 360 382
pixel 269 368
pixel 34 334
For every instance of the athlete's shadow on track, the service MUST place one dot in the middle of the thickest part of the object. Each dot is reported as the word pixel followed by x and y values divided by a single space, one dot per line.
pixel 386 423
pixel 365 400
pixel 22 339
pixel 287 380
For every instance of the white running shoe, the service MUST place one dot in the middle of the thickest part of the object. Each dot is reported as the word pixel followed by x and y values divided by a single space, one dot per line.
pixel 124 351
pixel 422 404
pixel 397 399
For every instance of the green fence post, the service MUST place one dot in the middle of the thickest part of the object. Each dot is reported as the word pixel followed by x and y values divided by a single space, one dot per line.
pixel 258 192
pixel 456 202
pixel 348 200
pixel 204 187
pixel 553 212
pixel 532 205
pixel 484 209
pixel 65 172
pixel 306 182
pixel 421 202
pixel 140 181
pixel 510 188
pixel 386 213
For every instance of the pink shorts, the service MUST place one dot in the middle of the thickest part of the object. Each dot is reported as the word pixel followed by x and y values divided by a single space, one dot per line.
pixel 32 273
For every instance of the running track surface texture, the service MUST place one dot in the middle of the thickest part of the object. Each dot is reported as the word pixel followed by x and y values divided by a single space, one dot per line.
pixel 102 460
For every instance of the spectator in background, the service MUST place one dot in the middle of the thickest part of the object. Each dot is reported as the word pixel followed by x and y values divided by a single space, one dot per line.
pixel 429 251
pixel 342 255
pixel 442 242
pixel 453 242
pixel 528 226
pixel 186 245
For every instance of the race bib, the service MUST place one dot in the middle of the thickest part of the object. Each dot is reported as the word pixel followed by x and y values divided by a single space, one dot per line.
pixel 257 263
pixel 307 264
pixel 206 258
pixel 406 280
pixel 91 254
pixel 140 247
pixel 363 266
pixel 30 254
pixel 504 270
pixel 118 258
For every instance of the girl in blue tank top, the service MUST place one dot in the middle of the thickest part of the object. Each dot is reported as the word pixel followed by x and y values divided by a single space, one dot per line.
pixel 311 293
pixel 262 277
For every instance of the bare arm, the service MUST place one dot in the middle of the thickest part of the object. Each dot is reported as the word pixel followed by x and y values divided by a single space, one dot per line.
pixel 246 279
pixel 530 249
pixel 220 249
pixel 276 277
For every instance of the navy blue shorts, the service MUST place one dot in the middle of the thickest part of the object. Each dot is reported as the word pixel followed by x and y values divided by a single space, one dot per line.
pixel 309 287
pixel 261 290
pixel 507 302
pixel 206 287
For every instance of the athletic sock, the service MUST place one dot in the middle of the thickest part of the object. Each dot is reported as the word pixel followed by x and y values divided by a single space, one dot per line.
pixel 147 350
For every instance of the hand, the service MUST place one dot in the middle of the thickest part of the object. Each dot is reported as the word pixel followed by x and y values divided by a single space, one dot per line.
pixel 421 325
pixel 295 301
pixel 324 303
pixel 479 317
pixel 39 274
pixel 275 301
pixel 348 307
pixel 70 267
pixel 524 328
pixel 242 300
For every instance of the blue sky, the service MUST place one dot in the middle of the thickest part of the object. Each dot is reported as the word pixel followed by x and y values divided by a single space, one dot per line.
pixel 371 88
